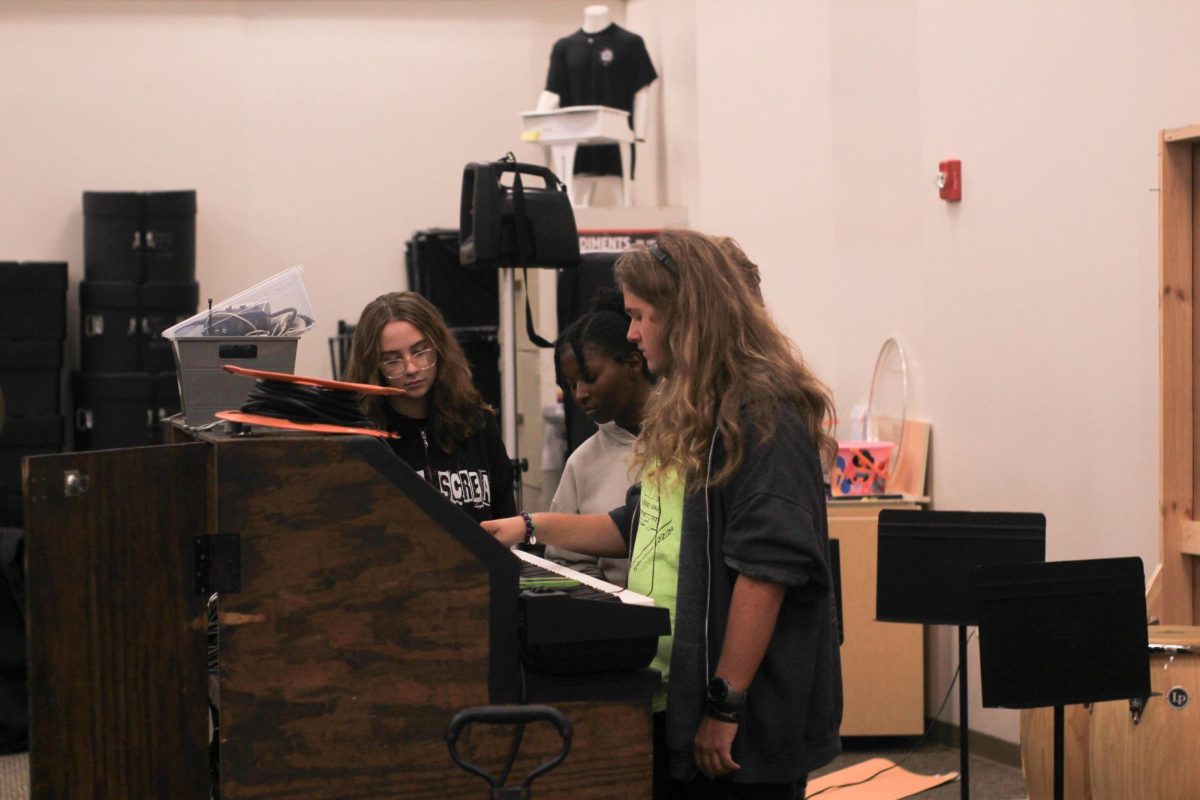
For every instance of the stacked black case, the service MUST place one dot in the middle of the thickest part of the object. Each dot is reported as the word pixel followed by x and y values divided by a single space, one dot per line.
pixel 139 251
pixel 468 299
pixel 33 315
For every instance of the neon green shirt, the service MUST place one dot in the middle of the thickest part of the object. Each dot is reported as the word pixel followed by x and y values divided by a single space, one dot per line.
pixel 654 567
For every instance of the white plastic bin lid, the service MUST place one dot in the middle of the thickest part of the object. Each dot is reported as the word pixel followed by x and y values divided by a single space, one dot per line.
pixel 278 306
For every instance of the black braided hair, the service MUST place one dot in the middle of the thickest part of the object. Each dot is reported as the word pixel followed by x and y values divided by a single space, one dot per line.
pixel 604 327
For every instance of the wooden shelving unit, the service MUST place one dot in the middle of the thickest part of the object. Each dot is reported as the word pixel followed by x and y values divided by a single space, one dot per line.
pixel 1172 597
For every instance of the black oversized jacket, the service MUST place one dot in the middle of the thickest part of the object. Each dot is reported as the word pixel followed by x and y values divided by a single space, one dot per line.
pixel 767 522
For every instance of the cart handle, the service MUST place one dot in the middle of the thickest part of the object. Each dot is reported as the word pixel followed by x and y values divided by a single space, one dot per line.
pixel 509 715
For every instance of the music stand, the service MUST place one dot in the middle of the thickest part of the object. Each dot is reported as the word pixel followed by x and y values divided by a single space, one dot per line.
pixel 926 574
pixel 1062 633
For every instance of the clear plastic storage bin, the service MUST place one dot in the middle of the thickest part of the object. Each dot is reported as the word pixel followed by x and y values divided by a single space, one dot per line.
pixel 258 328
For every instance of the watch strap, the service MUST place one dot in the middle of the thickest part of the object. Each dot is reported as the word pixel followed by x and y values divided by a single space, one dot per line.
pixel 723 716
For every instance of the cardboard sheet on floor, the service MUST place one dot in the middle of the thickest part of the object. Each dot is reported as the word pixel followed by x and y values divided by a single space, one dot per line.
pixel 894 784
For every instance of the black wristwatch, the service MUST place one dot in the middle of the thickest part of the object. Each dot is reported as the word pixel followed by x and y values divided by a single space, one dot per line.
pixel 722 701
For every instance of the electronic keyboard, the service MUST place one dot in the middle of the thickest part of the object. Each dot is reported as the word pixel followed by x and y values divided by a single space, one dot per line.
pixel 620 592
pixel 591 626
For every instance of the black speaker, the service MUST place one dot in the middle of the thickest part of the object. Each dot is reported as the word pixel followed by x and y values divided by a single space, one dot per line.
pixel 467 298
pixel 489 212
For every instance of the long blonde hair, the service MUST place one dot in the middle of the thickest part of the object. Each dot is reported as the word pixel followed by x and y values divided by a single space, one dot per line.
pixel 455 401
pixel 729 365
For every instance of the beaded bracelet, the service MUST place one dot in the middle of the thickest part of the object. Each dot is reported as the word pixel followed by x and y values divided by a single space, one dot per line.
pixel 529 537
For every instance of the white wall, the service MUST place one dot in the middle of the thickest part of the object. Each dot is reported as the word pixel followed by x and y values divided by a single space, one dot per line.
pixel 1028 311
pixel 327 132
pixel 320 133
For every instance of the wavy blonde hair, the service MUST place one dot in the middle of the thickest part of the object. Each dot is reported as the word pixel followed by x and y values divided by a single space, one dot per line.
pixel 730 367
pixel 455 401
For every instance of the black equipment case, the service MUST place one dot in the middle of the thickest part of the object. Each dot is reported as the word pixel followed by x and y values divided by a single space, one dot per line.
pixel 138 237
pixel 33 300
pixel 122 409
pixel 33 311
pixel 121 323
pixel 20 437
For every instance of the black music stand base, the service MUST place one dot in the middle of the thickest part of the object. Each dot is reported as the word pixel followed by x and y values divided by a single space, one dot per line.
pixel 1058 753
pixel 964 730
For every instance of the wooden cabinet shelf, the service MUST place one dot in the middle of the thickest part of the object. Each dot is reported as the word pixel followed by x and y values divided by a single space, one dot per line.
pixel 883 663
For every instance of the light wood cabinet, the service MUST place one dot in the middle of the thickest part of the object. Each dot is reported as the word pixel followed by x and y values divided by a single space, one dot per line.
pixel 883 663
pixel 1172 598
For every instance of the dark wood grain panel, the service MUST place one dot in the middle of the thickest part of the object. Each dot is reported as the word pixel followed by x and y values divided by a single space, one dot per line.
pixel 369 612
pixel 611 756
pixel 116 631
pixel 359 625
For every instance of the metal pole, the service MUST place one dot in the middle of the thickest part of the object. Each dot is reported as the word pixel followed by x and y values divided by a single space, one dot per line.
pixel 508 362
pixel 964 729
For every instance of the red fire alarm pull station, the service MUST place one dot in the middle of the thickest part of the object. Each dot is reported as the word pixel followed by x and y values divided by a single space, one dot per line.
pixel 949 180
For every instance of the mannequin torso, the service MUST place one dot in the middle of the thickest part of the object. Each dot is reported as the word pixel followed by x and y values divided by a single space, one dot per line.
pixel 595 19
pixel 601 64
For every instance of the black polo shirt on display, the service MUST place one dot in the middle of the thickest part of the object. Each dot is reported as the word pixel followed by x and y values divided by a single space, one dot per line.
pixel 606 68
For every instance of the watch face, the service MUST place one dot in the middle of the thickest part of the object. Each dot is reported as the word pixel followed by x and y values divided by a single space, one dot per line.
pixel 718 690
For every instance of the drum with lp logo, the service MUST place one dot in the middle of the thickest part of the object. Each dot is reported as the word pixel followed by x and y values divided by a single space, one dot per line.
pixel 1149 749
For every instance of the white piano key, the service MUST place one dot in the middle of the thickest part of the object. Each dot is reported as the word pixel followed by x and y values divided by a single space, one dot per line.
pixel 624 595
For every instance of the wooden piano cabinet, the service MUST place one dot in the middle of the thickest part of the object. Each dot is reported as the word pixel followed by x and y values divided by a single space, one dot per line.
pixel 883 663
pixel 116 633
pixel 610 755
pixel 363 613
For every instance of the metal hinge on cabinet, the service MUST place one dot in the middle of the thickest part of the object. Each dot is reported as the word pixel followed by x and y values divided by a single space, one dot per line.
pixel 218 563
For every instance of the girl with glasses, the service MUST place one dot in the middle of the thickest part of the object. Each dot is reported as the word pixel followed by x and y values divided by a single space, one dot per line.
pixel 448 433
pixel 727 528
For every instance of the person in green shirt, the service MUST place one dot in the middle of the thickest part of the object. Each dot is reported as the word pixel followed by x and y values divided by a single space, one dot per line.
pixel 727 528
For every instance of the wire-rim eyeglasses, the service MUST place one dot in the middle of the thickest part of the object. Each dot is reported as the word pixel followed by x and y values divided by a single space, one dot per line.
pixel 422 360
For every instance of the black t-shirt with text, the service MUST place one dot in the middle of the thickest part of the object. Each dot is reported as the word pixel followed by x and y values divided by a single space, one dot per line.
pixel 477 477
